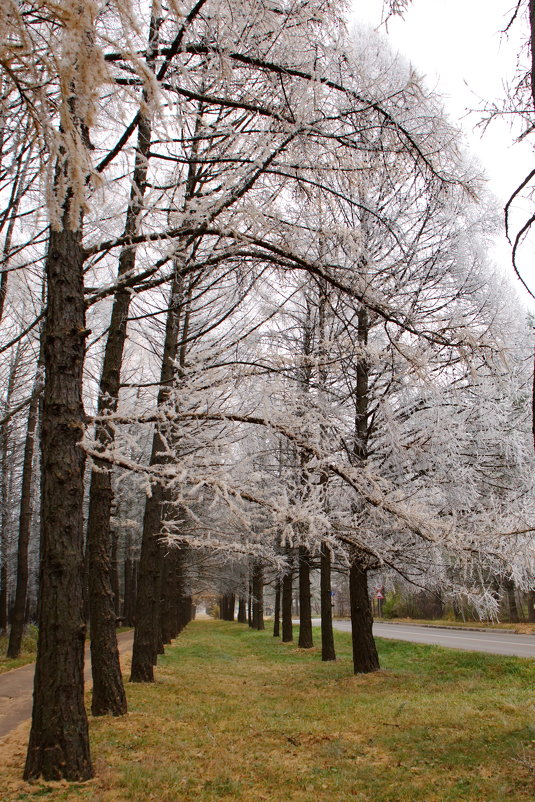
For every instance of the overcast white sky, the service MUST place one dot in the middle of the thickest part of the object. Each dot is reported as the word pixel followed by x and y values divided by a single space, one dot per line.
pixel 459 48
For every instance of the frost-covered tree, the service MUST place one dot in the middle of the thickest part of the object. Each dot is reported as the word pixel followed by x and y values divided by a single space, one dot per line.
pixel 220 181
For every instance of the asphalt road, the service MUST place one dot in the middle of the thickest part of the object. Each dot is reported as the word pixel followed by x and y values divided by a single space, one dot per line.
pixel 492 641
pixel 16 688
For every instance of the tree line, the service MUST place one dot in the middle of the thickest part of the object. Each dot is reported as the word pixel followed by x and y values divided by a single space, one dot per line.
pixel 250 321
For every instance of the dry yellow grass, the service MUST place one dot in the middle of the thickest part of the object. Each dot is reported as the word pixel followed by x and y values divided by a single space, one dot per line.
pixel 236 715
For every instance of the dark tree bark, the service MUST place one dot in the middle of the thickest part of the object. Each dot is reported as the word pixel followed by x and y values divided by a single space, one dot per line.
pixel 160 647
pixel 25 525
pixel 127 610
pixel 365 657
pixel 59 743
pixel 108 696
pixel 145 647
pixel 514 616
pixel 114 573
pixel 531 606
pixel 3 592
pixel 178 590
pixel 144 653
pixel 108 691
pixel 19 610
pixel 287 593
pixel 130 584
pixel 3 596
pixel 242 610
pixel 172 592
pixel 166 616
pixel 186 611
pixel 19 187
pixel 258 595
pixel 305 608
pixel 146 636
pixel 182 614
pixel 327 637
pixel 276 619
pixel 3 573
pixel 532 47
pixel 4 277
pixel 5 495
pixel 227 606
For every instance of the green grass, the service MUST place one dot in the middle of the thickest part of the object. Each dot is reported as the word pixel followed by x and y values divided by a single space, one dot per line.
pixel 236 715
pixel 27 655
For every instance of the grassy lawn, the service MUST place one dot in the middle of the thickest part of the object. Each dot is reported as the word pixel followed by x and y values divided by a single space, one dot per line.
pixel 236 715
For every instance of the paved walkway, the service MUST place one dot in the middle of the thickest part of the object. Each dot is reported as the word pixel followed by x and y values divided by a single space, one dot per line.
pixel 16 687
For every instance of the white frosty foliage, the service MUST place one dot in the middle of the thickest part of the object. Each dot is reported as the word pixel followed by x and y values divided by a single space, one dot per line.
pixel 348 370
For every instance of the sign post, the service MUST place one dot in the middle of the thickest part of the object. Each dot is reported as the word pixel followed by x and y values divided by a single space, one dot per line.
pixel 379 596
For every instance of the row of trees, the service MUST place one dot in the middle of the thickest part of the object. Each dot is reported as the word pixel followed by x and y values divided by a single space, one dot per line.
pixel 246 302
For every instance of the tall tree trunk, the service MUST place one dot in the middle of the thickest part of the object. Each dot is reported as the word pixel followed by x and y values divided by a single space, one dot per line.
pixel 172 592
pixel 181 577
pixel 305 607
pixel 242 610
pixel 6 467
pixel 144 651
pixel 108 691
pixel 258 595
pixel 108 696
pixel 4 525
pixel 130 582
pixel 532 47
pixel 327 637
pixel 227 606
pixel 3 592
pixel 186 611
pixel 531 606
pixel 128 606
pixel 25 523
pixel 160 647
pixel 18 184
pixel 514 616
pixel 166 616
pixel 114 574
pixel 287 593
pixel 145 648
pixel 365 657
pixel 276 618
pixel 59 740
pixel 250 605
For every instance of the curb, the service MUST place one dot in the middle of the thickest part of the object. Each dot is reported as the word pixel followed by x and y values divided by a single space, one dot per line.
pixel 458 629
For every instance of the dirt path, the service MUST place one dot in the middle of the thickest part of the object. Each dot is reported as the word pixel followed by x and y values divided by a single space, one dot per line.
pixel 16 688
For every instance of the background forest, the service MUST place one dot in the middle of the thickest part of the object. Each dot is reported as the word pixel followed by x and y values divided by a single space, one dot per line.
pixel 250 327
